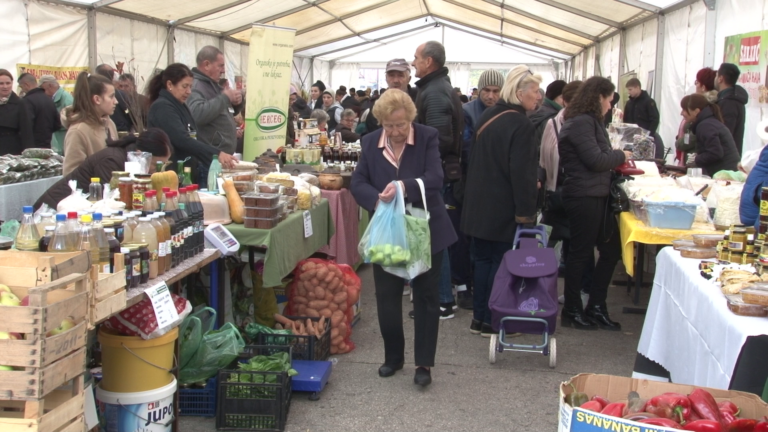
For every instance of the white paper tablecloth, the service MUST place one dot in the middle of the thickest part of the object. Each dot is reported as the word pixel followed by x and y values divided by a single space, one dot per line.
pixel 16 195
pixel 689 329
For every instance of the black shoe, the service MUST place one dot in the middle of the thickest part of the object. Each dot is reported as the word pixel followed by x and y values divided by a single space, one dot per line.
pixel 465 300
pixel 476 327
pixel 486 330
pixel 577 320
pixel 388 370
pixel 446 311
pixel 599 314
pixel 450 305
pixel 423 377
pixel 410 315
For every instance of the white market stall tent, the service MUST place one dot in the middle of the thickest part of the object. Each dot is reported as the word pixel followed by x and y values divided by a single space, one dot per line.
pixel 666 40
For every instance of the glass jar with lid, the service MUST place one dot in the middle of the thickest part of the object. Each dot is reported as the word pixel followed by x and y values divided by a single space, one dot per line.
pixel 114 182
pixel 140 187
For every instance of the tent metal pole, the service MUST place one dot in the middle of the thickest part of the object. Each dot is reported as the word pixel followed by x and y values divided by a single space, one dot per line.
pixel 622 56
pixel 92 50
pixel 581 13
pixel 658 74
pixel 710 26
pixel 171 45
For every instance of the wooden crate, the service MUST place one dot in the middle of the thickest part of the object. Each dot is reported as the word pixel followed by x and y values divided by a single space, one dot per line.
pixel 60 411
pixel 107 295
pixel 29 269
pixel 41 362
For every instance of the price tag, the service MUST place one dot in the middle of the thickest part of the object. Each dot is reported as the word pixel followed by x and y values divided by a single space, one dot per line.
pixel 165 310
pixel 307 224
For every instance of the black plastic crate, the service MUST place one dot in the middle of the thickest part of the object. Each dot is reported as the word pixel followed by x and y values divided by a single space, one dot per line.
pixel 200 402
pixel 303 347
pixel 259 404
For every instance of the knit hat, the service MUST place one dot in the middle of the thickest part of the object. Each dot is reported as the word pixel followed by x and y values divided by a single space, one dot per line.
pixel 319 84
pixel 293 90
pixel 490 78
pixel 555 89
pixel 706 77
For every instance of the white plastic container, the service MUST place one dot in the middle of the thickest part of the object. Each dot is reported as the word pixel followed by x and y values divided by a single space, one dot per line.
pixel 147 411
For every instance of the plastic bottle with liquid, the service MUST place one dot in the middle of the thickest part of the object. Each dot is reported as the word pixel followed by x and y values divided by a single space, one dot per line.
pixel 87 242
pixel 60 242
pixel 160 233
pixel 189 232
pixel 101 239
pixel 95 190
pixel 197 208
pixel 114 247
pixel 45 240
pixel 181 225
pixel 213 174
pixel 73 229
pixel 145 233
pixel 130 224
pixel 187 241
pixel 27 238
pixel 46 219
pixel 161 198
pixel 171 218
pixel 167 236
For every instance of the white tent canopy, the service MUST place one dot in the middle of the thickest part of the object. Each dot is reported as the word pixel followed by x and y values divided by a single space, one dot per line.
pixel 338 39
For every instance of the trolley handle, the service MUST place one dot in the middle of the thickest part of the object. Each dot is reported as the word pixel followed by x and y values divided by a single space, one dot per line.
pixel 539 232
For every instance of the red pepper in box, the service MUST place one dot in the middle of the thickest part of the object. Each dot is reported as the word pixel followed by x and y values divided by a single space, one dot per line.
pixel 615 409
pixel 728 406
pixel 661 422
pixel 742 425
pixel 591 406
pixel 601 400
pixel 703 426
pixel 671 405
pixel 761 427
pixel 728 417
pixel 704 404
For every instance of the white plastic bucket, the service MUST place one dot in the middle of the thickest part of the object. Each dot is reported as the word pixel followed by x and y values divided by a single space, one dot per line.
pixel 147 411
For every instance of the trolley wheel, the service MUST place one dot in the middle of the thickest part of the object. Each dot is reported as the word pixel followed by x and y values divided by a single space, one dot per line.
pixel 494 346
pixel 552 352
pixel 314 396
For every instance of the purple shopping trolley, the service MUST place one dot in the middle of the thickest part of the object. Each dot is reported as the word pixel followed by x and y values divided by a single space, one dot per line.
pixel 524 295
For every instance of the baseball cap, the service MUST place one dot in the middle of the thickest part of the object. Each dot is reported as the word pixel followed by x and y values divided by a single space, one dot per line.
pixel 398 65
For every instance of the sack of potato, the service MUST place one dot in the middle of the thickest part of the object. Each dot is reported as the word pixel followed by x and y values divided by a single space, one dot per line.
pixel 325 289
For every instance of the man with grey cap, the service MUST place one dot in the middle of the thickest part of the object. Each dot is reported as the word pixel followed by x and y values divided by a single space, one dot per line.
pixel 398 76
pixel 61 99
pixel 42 111
pixel 490 84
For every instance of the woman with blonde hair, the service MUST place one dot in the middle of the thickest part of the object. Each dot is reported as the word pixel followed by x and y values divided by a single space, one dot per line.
pixel 405 151
pixel 501 188
pixel 88 122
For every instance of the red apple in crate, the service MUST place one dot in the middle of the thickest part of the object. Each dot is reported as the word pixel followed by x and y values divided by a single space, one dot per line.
pixel 66 324
pixel 25 301
pixel 9 299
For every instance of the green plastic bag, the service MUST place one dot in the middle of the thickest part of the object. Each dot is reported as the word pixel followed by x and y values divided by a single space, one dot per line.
pixel 218 349
pixel 730 176
pixel 192 329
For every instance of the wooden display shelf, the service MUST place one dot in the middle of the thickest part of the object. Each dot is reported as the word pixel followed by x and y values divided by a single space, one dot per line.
pixel 61 411
pixel 107 295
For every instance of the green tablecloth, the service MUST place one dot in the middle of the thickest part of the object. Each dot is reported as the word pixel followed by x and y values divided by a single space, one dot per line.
pixel 285 243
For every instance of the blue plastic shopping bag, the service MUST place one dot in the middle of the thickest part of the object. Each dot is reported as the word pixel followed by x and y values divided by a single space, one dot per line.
pixel 385 241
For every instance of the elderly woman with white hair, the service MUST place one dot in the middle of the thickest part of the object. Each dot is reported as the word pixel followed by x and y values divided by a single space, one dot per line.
pixel 322 119
pixel 501 187
pixel 404 151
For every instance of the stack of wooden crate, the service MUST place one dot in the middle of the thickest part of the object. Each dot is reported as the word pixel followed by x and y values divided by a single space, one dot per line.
pixel 107 295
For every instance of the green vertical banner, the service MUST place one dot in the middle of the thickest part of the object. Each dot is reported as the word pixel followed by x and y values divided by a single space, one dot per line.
pixel 749 52
pixel 267 97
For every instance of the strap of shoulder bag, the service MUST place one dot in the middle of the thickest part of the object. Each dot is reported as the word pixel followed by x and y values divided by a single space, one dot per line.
pixel 482 128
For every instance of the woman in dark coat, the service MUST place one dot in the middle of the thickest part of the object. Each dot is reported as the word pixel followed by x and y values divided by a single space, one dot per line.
pixel 15 124
pixel 113 158
pixel 715 147
pixel 405 151
pixel 501 184
pixel 587 160
pixel 168 91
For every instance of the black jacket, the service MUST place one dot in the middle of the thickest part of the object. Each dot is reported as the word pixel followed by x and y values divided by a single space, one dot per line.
pixel 500 187
pixel 347 135
pixel 15 127
pixel 100 164
pixel 586 157
pixel 349 102
pixel 715 147
pixel 301 107
pixel 372 123
pixel 44 116
pixel 174 117
pixel 540 117
pixel 732 102
pixel 122 114
pixel 438 105
pixel 643 112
